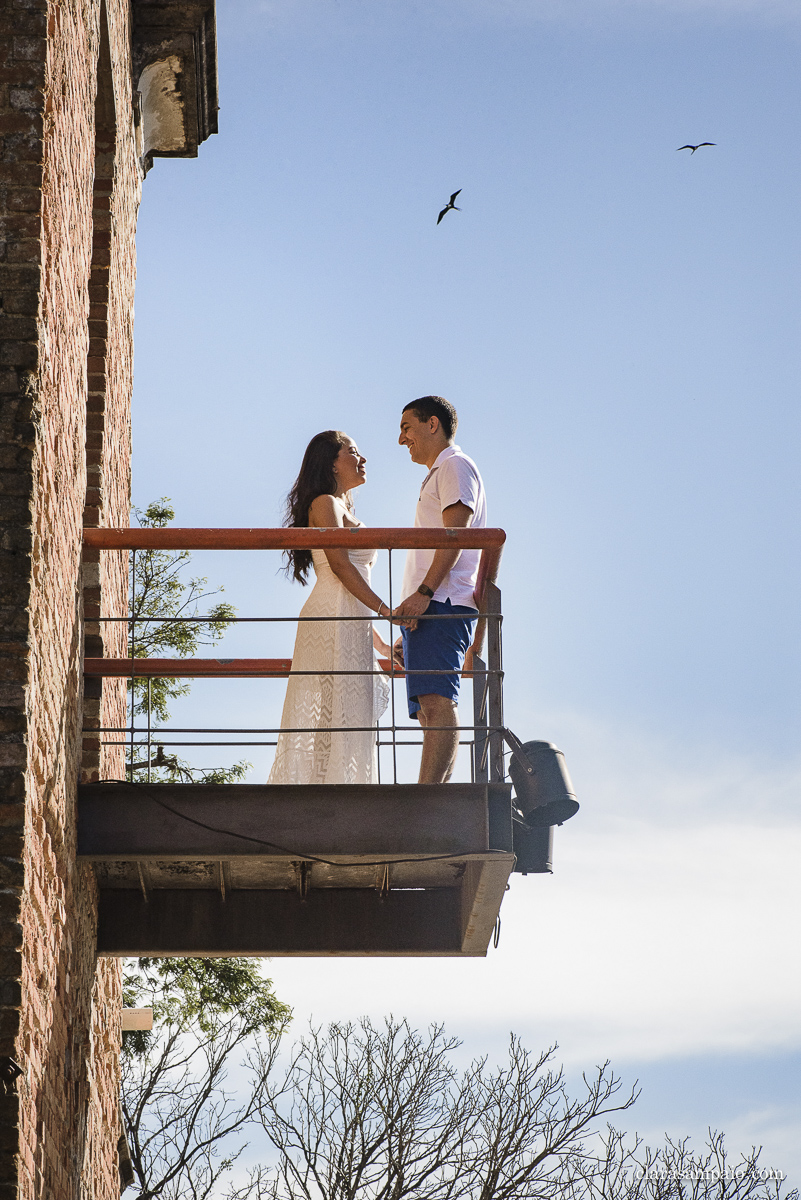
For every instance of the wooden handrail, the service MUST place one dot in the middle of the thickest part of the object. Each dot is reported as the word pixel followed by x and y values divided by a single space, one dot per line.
pixel 188 668
pixel 388 538
pixel 199 668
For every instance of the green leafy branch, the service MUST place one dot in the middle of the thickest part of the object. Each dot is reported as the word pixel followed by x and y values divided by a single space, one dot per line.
pixel 158 590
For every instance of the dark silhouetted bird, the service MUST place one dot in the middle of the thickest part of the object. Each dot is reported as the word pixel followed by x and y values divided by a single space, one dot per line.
pixel 698 147
pixel 449 206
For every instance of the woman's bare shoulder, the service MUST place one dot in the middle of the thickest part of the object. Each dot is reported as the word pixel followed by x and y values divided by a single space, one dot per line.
pixel 326 512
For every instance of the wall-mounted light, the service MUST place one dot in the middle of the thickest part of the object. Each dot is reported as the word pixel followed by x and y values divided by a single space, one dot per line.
pixel 137 1018
pixel 10 1071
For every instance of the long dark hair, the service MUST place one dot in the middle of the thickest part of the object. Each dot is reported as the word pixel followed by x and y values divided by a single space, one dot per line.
pixel 316 478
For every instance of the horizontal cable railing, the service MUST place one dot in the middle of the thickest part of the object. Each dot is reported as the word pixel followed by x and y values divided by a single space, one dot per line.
pixel 485 745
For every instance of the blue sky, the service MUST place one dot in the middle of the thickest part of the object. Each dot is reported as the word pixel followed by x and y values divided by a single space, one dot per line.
pixel 617 324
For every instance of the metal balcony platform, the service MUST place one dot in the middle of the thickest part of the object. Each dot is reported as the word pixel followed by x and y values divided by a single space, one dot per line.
pixel 241 869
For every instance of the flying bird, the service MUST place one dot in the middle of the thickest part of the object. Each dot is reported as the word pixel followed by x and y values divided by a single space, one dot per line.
pixel 451 204
pixel 698 147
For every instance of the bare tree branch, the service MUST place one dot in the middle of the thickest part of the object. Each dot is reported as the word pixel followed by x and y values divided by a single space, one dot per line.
pixel 366 1113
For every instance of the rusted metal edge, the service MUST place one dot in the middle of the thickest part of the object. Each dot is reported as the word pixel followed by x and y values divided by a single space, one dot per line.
pixel 219 668
pixel 285 539
pixel 190 668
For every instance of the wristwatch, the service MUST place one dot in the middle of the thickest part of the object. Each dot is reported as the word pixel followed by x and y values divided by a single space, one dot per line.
pixel 425 591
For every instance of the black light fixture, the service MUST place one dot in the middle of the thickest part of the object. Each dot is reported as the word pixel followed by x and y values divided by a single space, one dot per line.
pixel 10 1071
pixel 533 847
pixel 543 790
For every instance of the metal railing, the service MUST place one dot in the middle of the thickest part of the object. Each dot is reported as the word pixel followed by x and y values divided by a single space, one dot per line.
pixel 485 741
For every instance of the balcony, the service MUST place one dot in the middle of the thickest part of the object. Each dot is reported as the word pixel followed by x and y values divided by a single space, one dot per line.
pixel 252 869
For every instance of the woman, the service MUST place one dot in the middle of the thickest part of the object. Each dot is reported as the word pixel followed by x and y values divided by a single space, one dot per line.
pixel 321 497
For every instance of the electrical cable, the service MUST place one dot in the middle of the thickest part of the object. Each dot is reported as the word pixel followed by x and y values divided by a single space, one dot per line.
pixel 246 837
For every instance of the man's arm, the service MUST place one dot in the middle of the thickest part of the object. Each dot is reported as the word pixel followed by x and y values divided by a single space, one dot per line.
pixel 455 516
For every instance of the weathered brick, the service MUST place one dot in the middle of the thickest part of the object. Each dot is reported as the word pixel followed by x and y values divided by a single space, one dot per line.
pixel 10 993
pixel 20 74
pixel 30 24
pixel 12 754
pixel 14 483
pixel 19 224
pixel 22 147
pixel 9 382
pixel 19 122
pixel 58 255
pixel 19 354
pixel 29 49
pixel 27 99
pixel 18 329
pixel 10 964
pixel 9 1027
pixel 11 722
pixel 21 302
pixel 20 276
pixel 25 250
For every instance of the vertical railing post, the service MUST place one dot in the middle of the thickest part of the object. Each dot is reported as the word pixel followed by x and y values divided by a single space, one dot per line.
pixel 494 683
pixel 133 661
pixel 149 726
pixel 480 698
pixel 392 677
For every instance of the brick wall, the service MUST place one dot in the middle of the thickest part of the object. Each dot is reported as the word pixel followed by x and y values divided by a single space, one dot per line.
pixel 67 219
pixel 110 371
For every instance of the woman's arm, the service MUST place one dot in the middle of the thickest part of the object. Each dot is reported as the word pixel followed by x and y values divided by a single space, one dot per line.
pixel 324 513
pixel 380 646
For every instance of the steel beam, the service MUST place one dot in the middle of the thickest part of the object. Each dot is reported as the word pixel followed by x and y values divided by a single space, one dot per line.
pixel 483 886
pixel 199 869
pixel 497 769
pixel 341 922
pixel 122 821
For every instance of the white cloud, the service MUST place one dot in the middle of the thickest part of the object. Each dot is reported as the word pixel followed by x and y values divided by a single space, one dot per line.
pixel 623 774
pixel 775 1129
pixel 667 929
pixel 645 943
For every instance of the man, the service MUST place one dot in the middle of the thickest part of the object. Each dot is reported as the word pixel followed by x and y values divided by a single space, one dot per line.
pixel 439 583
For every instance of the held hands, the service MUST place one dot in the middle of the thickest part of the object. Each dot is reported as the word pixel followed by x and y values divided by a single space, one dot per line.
pixel 397 653
pixel 409 609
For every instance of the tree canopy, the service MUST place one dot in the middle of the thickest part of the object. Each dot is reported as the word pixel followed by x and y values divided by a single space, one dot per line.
pixel 165 620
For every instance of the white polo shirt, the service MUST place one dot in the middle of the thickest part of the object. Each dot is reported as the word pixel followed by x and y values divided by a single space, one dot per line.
pixel 453 477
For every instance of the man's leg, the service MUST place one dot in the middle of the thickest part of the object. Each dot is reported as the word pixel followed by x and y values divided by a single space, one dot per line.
pixel 439 745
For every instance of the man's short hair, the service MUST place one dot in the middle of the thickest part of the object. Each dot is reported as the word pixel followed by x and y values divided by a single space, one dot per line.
pixel 435 406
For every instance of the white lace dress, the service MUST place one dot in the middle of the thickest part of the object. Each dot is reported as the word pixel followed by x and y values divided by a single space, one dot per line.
pixel 321 703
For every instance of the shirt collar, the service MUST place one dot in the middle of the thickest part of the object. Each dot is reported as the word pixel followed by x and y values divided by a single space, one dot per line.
pixel 448 452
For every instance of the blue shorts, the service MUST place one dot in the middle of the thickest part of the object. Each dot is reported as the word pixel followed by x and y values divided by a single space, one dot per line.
pixel 437 646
